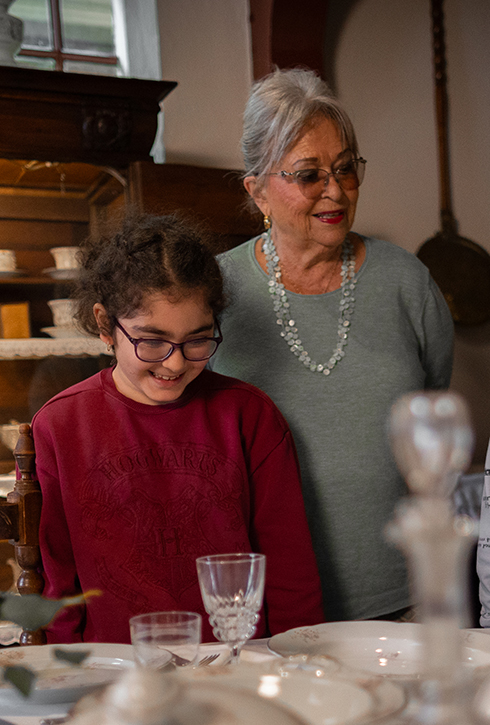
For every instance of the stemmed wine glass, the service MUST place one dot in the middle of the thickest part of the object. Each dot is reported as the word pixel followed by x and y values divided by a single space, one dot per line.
pixel 232 589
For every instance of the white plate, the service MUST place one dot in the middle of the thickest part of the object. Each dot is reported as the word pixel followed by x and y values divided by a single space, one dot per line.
pixel 322 701
pixel 59 682
pixel 316 691
pixel 9 633
pixel 389 649
pixel 61 273
pixel 188 702
pixel 223 706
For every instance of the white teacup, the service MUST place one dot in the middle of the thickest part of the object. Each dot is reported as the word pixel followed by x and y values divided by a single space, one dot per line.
pixel 7 260
pixel 62 312
pixel 65 257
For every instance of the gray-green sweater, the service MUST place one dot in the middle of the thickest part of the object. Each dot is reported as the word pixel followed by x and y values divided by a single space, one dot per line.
pixel 401 339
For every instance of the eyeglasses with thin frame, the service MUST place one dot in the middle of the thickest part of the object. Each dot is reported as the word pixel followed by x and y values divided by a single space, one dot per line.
pixel 311 182
pixel 155 349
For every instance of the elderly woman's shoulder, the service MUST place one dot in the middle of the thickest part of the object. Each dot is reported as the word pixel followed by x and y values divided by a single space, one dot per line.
pixel 241 251
pixel 389 255
pixel 238 261
pixel 382 246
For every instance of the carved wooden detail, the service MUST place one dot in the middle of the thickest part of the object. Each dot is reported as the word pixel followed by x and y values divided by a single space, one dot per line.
pixel 20 516
pixel 106 129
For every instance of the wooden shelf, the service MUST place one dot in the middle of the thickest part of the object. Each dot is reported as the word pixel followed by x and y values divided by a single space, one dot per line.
pixel 34 280
pixel 35 348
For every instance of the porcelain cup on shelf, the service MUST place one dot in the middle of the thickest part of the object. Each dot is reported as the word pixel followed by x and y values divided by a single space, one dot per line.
pixel 62 311
pixel 65 257
pixel 8 261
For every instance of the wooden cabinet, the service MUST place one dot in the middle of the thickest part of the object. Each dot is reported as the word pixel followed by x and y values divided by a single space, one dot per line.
pixel 66 143
pixel 75 152
pixel 65 137
pixel 32 221
pixel 215 197
pixel 54 116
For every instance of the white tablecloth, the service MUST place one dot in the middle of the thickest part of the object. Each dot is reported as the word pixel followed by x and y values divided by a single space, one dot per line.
pixel 255 651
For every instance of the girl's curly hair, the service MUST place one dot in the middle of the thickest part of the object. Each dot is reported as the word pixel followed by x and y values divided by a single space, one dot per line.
pixel 146 254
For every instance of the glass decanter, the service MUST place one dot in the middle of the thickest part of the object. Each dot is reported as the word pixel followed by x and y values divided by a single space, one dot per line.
pixel 432 441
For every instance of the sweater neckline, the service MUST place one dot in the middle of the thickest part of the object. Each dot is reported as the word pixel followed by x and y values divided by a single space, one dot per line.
pixel 323 295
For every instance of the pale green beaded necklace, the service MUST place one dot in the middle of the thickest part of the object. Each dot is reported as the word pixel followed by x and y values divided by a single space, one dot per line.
pixel 289 331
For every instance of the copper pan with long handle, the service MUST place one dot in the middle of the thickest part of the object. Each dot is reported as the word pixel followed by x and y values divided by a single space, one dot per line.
pixel 460 267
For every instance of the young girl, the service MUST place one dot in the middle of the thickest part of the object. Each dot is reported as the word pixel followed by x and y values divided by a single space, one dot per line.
pixel 156 461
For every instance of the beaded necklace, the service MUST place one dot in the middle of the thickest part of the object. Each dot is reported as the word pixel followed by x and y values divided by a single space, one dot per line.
pixel 289 331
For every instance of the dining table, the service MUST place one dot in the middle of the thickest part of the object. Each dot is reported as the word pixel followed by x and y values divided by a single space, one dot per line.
pixel 338 673
pixel 28 713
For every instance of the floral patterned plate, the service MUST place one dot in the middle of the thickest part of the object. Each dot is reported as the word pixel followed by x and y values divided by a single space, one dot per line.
pixel 58 681
pixel 388 649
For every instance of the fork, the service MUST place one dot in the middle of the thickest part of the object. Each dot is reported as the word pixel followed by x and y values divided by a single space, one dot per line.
pixel 181 662
pixel 207 660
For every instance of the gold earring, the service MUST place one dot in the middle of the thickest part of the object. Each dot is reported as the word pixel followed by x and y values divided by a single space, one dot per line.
pixel 110 348
pixel 267 222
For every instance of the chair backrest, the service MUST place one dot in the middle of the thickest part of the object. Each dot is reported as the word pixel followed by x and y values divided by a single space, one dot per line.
pixel 20 515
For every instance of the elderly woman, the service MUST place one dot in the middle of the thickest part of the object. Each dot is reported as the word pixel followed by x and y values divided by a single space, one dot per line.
pixel 334 326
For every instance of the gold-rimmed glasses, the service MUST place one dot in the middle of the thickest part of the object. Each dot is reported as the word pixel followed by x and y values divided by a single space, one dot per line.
pixel 312 182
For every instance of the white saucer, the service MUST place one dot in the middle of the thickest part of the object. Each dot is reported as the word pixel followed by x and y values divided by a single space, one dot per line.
pixel 5 274
pixel 71 273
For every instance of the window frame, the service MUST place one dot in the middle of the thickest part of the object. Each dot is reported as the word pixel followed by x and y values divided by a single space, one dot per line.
pixel 57 53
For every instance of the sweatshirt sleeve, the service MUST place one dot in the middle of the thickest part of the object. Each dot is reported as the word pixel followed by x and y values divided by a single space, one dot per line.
pixel 280 531
pixel 483 551
pixel 59 567
pixel 438 339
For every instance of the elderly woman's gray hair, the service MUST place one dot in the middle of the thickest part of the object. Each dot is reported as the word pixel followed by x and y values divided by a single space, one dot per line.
pixel 280 108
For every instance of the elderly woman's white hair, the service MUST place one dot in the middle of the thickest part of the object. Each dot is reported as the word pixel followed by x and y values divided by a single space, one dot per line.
pixel 280 108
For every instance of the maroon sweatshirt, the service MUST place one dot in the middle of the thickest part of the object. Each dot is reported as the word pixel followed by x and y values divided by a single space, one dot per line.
pixel 134 493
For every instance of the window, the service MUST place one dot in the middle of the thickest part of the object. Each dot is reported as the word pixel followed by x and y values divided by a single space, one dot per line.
pixel 68 35
pixel 103 37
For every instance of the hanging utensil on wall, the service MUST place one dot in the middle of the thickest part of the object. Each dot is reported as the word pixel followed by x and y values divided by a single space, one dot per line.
pixel 460 267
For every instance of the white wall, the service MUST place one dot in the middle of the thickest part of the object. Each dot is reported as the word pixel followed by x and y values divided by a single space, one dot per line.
pixel 384 76
pixel 205 46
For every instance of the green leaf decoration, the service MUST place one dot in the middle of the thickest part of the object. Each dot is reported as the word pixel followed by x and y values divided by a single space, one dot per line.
pixel 32 611
pixel 20 677
pixel 73 658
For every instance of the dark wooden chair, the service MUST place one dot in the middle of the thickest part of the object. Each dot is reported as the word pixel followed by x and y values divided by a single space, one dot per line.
pixel 20 515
